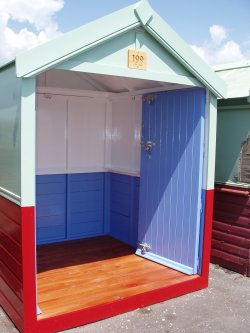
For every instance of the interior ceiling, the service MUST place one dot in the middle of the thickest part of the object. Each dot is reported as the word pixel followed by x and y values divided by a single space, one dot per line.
pixel 98 82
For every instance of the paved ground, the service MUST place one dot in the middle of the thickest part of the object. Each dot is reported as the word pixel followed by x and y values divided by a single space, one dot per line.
pixel 222 308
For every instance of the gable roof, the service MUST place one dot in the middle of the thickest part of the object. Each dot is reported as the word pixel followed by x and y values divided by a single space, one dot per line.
pixel 237 77
pixel 71 44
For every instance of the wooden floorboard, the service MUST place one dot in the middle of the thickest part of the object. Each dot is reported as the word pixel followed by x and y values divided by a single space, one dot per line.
pixel 81 274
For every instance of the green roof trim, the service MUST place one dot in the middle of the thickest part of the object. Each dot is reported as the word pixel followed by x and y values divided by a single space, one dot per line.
pixel 75 42
pixel 7 65
pixel 231 66
pixel 234 102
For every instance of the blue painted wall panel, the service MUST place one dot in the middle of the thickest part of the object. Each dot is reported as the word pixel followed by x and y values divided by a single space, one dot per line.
pixel 85 209
pixel 120 203
pixel 47 221
pixel 84 205
pixel 88 229
pixel 50 234
pixel 171 187
pixel 124 202
pixel 120 227
pixel 106 202
pixel 51 193
pixel 134 208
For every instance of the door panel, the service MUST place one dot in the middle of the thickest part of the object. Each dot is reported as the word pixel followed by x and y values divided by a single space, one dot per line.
pixel 171 178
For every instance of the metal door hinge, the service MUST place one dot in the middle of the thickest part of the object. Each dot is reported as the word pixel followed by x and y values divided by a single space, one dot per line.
pixel 149 99
pixel 144 247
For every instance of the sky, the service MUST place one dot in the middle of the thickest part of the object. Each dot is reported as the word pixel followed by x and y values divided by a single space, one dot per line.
pixel 218 30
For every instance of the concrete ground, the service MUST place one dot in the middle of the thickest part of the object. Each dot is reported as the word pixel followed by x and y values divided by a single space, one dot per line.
pixel 222 308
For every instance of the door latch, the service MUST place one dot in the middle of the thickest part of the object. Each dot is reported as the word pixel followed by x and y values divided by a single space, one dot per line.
pixel 148 145
pixel 144 247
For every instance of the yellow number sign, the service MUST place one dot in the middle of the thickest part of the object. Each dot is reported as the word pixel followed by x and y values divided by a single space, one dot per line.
pixel 137 59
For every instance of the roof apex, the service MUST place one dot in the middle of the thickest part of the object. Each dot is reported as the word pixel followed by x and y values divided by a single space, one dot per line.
pixel 46 56
pixel 144 12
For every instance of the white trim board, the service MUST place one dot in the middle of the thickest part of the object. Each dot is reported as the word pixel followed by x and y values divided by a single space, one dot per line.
pixel 41 172
pixel 107 95
pixel 165 262
pixel 73 92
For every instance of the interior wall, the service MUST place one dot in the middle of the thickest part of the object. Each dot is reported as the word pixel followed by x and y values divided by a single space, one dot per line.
pixel 85 134
pixel 71 206
pixel 70 134
pixel 51 115
pixel 88 160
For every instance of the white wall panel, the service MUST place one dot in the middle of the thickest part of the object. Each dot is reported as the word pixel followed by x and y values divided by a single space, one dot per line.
pixel 136 148
pixel 51 134
pixel 86 134
pixel 125 134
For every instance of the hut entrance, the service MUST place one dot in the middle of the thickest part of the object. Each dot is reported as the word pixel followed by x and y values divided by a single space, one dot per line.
pixel 119 180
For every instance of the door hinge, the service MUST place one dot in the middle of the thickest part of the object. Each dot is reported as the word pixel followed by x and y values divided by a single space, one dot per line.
pixel 149 99
pixel 144 247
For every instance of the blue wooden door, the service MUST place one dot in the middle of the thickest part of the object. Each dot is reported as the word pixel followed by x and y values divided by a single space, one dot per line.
pixel 171 178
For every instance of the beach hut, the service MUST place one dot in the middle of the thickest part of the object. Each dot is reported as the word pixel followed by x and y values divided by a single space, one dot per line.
pixel 107 143
pixel 231 226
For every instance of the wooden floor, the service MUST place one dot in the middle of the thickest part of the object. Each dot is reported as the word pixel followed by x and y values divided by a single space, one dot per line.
pixel 81 274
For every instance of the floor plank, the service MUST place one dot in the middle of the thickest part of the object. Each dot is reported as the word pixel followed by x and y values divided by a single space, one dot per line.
pixel 80 274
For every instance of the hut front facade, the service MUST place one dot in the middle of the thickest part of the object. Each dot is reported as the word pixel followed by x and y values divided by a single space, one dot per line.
pixel 107 143
pixel 231 226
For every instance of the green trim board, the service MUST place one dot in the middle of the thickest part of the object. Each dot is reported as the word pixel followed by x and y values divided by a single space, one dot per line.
pixel 7 65
pixel 73 43
pixel 175 45
pixel 235 65
pixel 85 38
pixel 28 141
pixel 161 65
pixel 237 78
pixel 234 102
pixel 10 134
